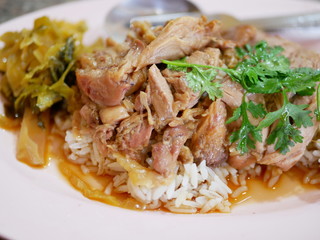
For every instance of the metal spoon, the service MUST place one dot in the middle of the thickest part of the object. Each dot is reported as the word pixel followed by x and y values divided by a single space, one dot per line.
pixel 118 19
pixel 160 11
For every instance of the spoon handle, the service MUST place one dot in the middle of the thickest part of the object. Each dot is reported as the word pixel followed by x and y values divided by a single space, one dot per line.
pixel 163 18
pixel 285 22
pixel 267 23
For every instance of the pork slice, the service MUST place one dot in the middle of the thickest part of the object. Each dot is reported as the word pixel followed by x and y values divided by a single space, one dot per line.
pixel 184 97
pixel 209 56
pixel 101 135
pixel 165 153
pixel 89 112
pixel 133 133
pixel 163 161
pixel 285 162
pixel 101 59
pixel 232 93
pixel 238 160
pixel 143 31
pixel 179 38
pixel 208 142
pixel 161 95
pixel 138 106
pixel 241 35
pixel 107 86
pixel 143 100
pixel 136 79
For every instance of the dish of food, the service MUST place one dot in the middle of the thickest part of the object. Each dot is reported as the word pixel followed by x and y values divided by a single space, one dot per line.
pixel 149 140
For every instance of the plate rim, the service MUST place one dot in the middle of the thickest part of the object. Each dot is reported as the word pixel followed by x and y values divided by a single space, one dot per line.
pixel 165 218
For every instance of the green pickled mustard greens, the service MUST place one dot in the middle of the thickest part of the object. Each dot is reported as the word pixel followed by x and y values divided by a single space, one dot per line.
pixel 38 65
pixel 261 69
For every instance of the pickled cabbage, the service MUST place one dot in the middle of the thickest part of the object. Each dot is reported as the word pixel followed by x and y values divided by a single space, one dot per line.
pixel 9 123
pixel 38 65
pixel 32 140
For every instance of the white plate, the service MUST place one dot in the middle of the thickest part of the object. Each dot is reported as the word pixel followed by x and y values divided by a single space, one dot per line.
pixel 39 204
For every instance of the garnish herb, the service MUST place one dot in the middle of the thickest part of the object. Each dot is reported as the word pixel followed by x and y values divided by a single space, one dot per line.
pixel 285 133
pixel 261 69
pixel 198 77
pixel 247 134
pixel 317 112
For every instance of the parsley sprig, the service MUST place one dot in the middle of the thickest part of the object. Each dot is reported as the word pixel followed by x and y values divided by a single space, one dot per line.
pixel 261 69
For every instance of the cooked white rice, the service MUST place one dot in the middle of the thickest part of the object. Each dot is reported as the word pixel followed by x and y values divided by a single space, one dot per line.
pixel 194 189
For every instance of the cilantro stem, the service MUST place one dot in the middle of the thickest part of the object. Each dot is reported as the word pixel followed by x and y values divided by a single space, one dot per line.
pixel 285 97
pixel 317 112
pixel 182 64
pixel 244 108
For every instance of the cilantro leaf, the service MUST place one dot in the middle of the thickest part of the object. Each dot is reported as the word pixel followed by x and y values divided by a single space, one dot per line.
pixel 199 77
pixel 301 80
pixel 263 55
pixel 285 136
pixel 317 111
pixel 263 69
pixel 247 134
pixel 290 117
pixel 257 110
pixel 235 116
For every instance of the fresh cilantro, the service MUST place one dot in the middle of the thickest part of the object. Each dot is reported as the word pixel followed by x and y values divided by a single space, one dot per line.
pixel 289 118
pixel 261 69
pixel 264 70
pixel 200 78
pixel 257 110
pixel 247 134
pixel 317 111
pixel 179 65
pixel 301 81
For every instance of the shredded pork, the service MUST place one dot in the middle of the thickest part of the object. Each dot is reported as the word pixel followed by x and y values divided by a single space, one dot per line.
pixel 179 38
pixel 163 121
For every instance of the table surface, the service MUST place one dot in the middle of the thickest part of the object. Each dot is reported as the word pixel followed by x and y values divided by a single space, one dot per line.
pixel 13 8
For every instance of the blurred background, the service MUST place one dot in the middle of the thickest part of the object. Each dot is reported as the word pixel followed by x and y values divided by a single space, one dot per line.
pixel 13 8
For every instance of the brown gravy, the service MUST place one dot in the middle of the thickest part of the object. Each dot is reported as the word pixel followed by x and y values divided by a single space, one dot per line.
pixel 289 184
pixel 90 185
